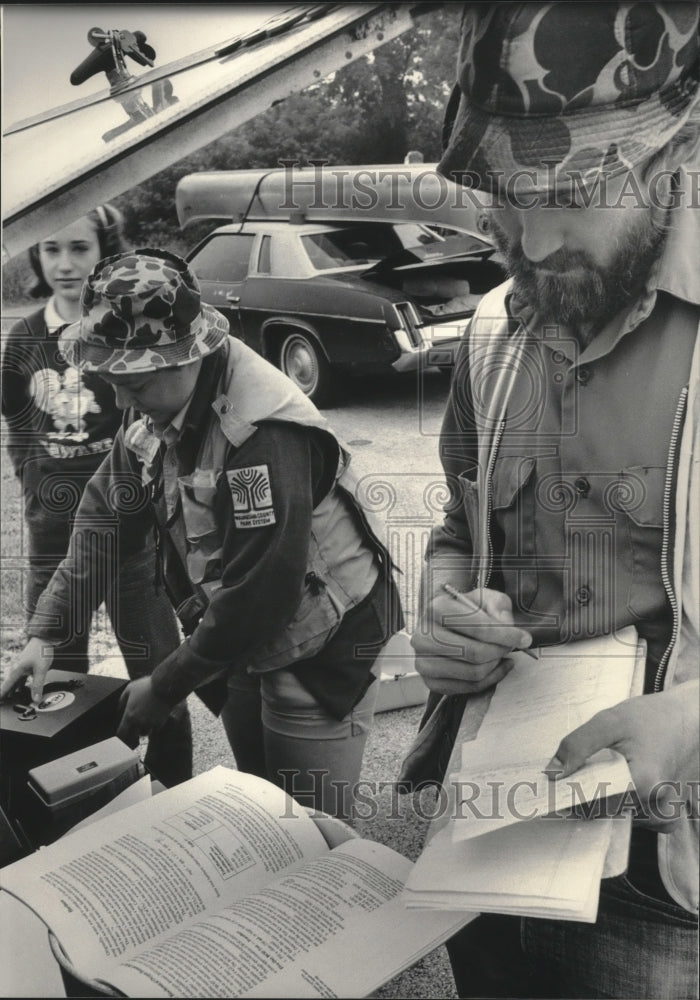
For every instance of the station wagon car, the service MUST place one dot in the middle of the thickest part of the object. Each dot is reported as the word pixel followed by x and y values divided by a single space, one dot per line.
pixel 358 296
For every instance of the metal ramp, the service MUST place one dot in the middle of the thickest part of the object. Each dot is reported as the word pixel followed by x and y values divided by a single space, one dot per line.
pixel 59 164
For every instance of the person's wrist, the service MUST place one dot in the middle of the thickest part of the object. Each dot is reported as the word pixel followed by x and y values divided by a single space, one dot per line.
pixel 160 693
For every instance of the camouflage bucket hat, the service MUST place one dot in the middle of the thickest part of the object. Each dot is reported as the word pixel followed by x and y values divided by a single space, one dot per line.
pixel 554 92
pixel 141 311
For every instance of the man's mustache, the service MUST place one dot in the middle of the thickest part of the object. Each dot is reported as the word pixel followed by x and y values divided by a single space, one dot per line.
pixel 560 261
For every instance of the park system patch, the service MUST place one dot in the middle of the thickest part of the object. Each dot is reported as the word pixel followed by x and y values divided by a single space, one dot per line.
pixel 252 496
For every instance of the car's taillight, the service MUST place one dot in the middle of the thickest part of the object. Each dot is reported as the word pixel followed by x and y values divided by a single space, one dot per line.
pixel 409 320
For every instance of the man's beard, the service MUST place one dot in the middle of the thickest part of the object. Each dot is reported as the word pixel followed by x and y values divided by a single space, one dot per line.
pixel 568 287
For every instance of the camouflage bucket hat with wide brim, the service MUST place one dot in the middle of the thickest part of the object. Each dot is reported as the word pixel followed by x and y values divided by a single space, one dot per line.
pixel 141 311
pixel 562 92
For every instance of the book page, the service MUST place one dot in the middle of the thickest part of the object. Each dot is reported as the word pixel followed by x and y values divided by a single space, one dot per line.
pixel 551 866
pixel 531 860
pixel 501 795
pixel 561 689
pixel 27 963
pixel 139 791
pixel 501 779
pixel 298 936
pixel 617 857
pixel 150 869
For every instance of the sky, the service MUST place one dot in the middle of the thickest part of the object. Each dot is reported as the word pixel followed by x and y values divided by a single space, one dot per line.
pixel 98 150
pixel 43 43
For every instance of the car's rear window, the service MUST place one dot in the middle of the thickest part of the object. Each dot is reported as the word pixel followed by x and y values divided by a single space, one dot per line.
pixel 223 258
pixel 355 245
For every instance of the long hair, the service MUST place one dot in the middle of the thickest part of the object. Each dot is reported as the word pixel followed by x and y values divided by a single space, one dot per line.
pixel 109 226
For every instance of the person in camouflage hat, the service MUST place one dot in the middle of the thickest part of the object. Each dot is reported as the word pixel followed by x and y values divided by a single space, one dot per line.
pixel 272 569
pixel 570 443
pixel 142 311
pixel 60 425
pixel 562 92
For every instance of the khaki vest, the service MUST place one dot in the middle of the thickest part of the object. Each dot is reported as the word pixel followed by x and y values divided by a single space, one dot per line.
pixel 344 552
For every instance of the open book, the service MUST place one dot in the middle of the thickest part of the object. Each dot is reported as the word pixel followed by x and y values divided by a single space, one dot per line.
pixel 505 840
pixel 223 886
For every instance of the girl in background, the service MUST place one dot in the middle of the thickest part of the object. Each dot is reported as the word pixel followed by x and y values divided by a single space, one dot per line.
pixel 60 427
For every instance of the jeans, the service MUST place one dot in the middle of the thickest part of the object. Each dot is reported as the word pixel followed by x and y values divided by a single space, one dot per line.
pixel 143 622
pixel 639 947
pixel 279 728
pixel 278 731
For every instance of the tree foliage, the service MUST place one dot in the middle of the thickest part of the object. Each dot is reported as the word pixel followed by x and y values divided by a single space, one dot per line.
pixel 371 111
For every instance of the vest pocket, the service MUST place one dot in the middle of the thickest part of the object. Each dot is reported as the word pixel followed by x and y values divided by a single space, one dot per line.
pixel 513 528
pixel 201 530
pixel 317 618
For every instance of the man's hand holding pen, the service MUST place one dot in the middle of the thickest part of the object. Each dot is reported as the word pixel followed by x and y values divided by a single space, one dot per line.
pixel 464 641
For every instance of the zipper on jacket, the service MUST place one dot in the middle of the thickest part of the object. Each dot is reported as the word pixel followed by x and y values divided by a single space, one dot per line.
pixel 486 574
pixel 666 573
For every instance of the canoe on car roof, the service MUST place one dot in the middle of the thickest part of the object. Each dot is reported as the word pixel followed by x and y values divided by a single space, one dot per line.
pixel 383 192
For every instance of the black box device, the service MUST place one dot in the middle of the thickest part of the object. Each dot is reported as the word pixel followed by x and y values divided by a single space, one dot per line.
pixel 76 711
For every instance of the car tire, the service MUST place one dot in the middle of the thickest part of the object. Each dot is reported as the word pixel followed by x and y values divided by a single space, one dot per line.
pixel 303 361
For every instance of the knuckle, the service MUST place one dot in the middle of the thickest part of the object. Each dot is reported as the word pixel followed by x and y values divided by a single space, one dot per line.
pixel 422 643
pixel 481 656
pixel 475 687
pixel 567 747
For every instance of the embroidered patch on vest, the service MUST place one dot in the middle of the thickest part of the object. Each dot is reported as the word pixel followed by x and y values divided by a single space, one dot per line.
pixel 252 496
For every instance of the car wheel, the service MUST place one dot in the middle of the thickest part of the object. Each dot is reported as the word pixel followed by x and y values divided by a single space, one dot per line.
pixel 304 363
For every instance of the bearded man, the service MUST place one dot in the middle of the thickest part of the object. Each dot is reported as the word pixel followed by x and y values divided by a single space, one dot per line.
pixel 569 445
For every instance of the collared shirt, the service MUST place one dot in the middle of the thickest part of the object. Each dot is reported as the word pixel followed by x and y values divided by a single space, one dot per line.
pixel 580 479
pixel 170 435
pixel 578 482
pixel 51 317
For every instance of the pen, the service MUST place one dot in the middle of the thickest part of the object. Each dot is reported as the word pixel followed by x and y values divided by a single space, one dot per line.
pixel 473 606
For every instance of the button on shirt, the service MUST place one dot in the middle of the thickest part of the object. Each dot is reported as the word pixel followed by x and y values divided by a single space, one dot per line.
pixel 578 481
pixel 580 523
